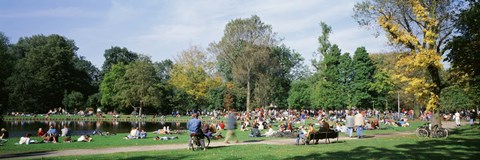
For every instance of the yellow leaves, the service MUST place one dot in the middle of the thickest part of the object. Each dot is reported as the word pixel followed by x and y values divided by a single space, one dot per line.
pixel 433 102
pixel 193 80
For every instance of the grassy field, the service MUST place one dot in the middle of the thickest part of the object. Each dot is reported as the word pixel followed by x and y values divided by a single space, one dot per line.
pixel 118 141
pixel 464 143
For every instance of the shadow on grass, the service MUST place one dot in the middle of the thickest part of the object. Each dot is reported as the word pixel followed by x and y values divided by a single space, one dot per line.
pixel 26 154
pixel 252 141
pixel 158 157
pixel 463 144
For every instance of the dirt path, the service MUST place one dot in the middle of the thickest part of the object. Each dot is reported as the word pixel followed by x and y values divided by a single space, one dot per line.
pixel 74 152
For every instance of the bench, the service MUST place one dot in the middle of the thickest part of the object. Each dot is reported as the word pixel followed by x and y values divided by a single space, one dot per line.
pixel 322 135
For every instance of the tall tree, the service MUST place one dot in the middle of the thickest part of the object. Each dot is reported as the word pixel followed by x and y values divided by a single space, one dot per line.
pixel 138 87
pixel 7 62
pixel 421 28
pixel 464 52
pixel 116 55
pixel 363 78
pixel 108 90
pixel 326 92
pixel 191 75
pixel 299 95
pixel 44 72
pixel 244 47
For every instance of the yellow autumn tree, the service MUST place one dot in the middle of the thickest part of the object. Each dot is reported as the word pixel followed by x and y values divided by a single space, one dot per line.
pixel 419 28
pixel 193 73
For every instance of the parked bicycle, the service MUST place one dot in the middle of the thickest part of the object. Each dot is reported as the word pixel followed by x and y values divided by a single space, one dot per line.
pixel 435 131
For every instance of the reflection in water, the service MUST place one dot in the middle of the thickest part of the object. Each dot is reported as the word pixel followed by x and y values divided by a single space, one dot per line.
pixel 20 128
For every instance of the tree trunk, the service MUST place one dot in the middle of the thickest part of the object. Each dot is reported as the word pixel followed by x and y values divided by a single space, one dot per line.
pixel 248 95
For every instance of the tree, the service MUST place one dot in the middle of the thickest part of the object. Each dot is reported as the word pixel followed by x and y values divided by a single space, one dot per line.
pixel 191 74
pixel 7 62
pixel 163 70
pixel 73 99
pixel 108 88
pixel 116 55
pixel 44 71
pixel 138 87
pixel 245 45
pixel 363 70
pixel 326 92
pixel 299 95
pixel 454 98
pixel 464 52
pixel 421 28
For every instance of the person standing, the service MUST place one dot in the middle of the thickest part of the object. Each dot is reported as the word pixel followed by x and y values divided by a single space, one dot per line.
pixel 195 128
pixel 473 116
pixel 359 123
pixel 231 126
pixel 457 118
pixel 350 122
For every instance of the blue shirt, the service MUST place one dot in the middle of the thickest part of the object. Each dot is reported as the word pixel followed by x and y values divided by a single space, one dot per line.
pixel 52 131
pixel 194 125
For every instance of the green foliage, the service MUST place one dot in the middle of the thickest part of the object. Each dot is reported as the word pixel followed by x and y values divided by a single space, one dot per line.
pixel 464 54
pixel 363 77
pixel 116 55
pixel 454 98
pixel 7 62
pixel 327 90
pixel 243 50
pixel 138 87
pixel 163 70
pixel 299 94
pixel 73 100
pixel 108 88
pixel 44 71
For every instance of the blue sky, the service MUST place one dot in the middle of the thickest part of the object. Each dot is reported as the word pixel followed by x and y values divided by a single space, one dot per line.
pixel 161 29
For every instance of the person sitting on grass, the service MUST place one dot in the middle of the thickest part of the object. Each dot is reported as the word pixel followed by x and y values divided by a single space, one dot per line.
pixel 243 127
pixel 4 134
pixel 134 134
pixel 40 132
pixel 270 131
pixel 25 139
pixel 85 138
pixel 143 134
pixel 255 132
pixel 52 133
pixel 67 139
pixel 206 130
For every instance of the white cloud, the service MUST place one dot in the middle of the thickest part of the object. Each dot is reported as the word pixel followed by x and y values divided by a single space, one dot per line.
pixel 162 29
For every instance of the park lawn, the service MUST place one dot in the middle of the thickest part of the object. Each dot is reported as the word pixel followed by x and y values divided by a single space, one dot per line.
pixel 118 141
pixel 106 142
pixel 464 143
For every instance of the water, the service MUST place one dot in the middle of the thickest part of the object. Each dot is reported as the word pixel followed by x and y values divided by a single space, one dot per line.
pixel 20 128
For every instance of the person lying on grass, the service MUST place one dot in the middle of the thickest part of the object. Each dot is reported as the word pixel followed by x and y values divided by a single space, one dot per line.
pixel 85 138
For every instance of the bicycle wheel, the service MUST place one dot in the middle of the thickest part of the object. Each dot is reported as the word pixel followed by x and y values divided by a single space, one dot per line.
pixel 441 133
pixel 422 132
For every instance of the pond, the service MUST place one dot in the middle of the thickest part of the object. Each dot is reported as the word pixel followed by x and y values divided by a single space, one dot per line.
pixel 20 128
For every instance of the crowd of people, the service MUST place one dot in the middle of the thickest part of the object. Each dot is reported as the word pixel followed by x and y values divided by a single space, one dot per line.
pixel 261 122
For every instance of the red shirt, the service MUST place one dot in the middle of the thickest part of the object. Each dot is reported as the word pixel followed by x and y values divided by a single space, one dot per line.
pixel 41 133
pixel 221 125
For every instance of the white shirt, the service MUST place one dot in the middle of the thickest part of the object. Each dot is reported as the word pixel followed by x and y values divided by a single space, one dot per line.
pixel 25 140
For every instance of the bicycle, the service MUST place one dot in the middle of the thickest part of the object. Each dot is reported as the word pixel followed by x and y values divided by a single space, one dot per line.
pixel 196 142
pixel 434 131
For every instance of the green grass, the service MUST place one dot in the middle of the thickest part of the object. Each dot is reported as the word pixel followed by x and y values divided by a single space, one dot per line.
pixel 464 143
pixel 105 142
pixel 118 141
